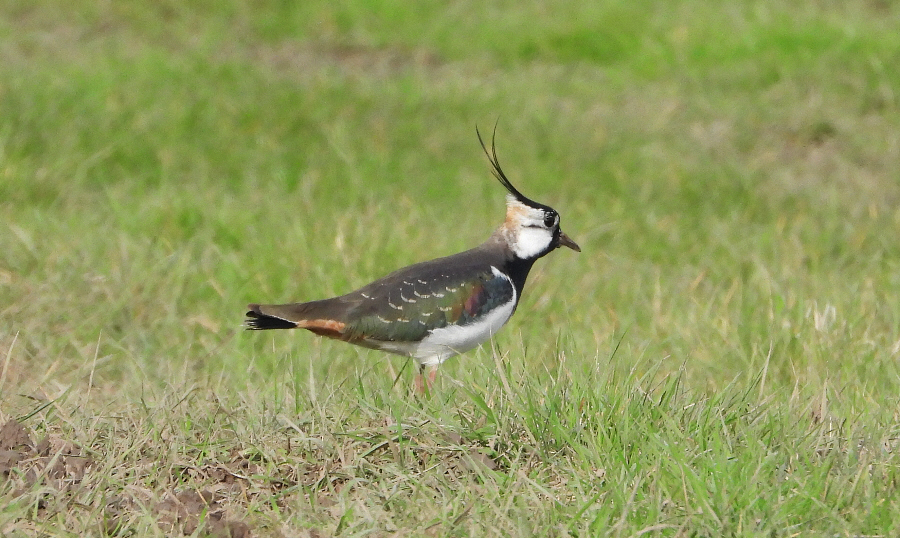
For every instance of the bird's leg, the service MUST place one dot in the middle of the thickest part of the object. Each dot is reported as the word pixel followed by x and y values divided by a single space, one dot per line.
pixel 423 384
pixel 419 380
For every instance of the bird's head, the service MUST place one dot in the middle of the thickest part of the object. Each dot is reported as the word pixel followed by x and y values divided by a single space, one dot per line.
pixel 531 229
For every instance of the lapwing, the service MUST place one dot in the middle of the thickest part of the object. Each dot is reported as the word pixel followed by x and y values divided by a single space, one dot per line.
pixel 436 309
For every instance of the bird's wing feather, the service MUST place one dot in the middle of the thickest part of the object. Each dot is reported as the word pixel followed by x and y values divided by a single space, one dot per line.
pixel 407 305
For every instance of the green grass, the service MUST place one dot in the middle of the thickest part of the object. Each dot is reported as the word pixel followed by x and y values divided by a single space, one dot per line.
pixel 720 360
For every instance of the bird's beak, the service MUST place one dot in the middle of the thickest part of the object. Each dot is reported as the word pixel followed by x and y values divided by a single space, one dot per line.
pixel 566 241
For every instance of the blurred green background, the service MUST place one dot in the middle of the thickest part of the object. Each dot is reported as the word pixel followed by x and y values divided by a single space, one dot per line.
pixel 730 171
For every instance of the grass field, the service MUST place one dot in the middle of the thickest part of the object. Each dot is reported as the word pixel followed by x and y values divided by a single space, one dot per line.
pixel 720 360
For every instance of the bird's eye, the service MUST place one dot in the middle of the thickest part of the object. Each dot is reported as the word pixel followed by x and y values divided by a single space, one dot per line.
pixel 549 219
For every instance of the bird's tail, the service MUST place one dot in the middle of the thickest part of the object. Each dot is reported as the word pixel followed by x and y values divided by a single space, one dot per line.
pixel 313 316
pixel 259 321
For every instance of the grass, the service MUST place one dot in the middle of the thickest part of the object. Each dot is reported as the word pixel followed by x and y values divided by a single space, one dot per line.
pixel 720 360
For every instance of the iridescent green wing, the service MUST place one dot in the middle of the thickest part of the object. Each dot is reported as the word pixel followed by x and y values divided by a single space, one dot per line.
pixel 407 305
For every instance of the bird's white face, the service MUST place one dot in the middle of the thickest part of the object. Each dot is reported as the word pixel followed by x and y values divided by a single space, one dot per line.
pixel 530 231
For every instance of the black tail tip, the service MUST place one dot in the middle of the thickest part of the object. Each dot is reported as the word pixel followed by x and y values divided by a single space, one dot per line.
pixel 257 321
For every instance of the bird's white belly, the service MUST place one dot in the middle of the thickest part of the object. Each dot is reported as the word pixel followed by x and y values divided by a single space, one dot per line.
pixel 452 340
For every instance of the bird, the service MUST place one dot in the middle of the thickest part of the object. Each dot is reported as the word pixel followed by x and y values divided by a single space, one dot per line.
pixel 434 310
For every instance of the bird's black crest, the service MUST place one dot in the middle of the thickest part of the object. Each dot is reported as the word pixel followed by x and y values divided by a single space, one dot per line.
pixel 498 172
